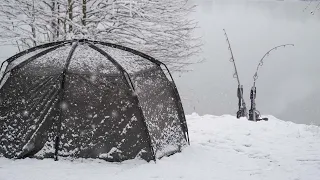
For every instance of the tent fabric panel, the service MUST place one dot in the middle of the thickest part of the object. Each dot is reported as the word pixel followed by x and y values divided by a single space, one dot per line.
pixel 101 119
pixel 25 108
pixel 28 96
pixel 157 99
pixel 48 149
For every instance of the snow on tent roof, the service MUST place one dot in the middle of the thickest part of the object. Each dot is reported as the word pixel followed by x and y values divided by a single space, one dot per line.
pixel 25 55
pixel 85 60
pixel 131 63
pixel 48 64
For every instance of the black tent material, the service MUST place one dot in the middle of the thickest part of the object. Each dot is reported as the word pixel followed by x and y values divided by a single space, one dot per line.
pixel 89 99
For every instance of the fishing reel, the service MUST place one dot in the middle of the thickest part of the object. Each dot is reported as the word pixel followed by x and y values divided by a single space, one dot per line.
pixel 242 112
pixel 254 114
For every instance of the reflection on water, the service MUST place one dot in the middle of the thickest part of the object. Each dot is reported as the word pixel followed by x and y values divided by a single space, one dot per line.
pixel 288 86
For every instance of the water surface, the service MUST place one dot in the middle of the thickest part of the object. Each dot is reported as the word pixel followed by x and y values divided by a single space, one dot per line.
pixel 288 86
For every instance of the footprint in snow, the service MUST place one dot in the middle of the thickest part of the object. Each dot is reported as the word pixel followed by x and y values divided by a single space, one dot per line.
pixel 238 150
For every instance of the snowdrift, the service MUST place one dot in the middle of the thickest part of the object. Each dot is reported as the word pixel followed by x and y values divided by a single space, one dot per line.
pixel 222 148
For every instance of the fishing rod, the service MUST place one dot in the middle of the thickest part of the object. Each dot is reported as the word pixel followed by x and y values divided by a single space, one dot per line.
pixel 314 10
pixel 254 114
pixel 242 109
pixel 317 8
pixel 307 6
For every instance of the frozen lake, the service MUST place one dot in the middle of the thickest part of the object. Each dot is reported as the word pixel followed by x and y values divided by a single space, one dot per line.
pixel 288 86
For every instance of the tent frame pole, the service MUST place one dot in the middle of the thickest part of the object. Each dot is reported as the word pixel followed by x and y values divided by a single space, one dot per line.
pixel 61 100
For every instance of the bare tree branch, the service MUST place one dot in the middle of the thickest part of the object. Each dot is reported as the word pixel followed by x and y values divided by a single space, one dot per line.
pixel 160 28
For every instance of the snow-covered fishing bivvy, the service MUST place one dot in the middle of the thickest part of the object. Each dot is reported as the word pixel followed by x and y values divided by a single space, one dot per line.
pixel 88 99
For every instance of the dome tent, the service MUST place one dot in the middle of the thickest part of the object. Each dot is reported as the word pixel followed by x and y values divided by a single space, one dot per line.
pixel 89 99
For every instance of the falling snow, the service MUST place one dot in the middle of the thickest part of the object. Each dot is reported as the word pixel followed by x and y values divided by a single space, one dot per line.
pixel 64 106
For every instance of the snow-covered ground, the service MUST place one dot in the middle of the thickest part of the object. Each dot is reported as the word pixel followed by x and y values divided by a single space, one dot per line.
pixel 222 148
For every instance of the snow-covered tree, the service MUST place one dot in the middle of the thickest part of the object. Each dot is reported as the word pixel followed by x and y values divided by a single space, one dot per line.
pixel 160 28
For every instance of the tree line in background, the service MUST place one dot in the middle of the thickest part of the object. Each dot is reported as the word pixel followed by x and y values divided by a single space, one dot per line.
pixel 160 28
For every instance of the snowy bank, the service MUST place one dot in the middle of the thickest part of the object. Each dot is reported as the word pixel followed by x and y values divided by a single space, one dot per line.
pixel 222 147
